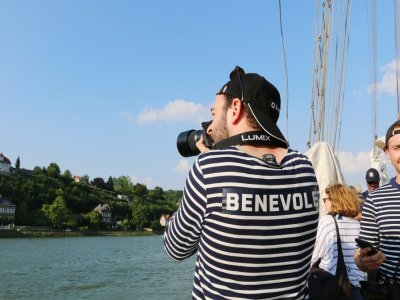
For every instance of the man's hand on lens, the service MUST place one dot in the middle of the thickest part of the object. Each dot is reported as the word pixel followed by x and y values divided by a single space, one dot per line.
pixel 200 145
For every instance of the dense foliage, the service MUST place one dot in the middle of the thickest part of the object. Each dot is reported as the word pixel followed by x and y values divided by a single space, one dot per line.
pixel 47 197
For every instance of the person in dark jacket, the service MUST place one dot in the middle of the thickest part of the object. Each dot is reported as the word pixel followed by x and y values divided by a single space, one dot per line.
pixel 372 178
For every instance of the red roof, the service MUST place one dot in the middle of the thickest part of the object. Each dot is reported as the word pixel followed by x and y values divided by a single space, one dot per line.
pixel 5 158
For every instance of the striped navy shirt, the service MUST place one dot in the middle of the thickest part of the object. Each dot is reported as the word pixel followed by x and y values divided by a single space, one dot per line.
pixel 380 224
pixel 253 225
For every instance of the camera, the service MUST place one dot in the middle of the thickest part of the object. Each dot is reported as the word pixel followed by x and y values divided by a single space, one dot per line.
pixel 186 141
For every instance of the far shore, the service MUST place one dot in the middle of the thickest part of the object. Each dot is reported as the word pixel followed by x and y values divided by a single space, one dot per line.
pixel 28 233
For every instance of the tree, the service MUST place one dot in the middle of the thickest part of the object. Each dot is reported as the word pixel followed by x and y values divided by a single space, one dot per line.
pixel 35 194
pixel 140 192
pixel 37 170
pixel 53 170
pixel 6 220
pixel 139 215
pixel 57 213
pixel 155 225
pixel 120 210
pixel 126 224
pixel 110 184
pixel 23 214
pixel 17 164
pixel 140 189
pixel 60 192
pixel 94 219
pixel 39 218
pixel 123 185
pixel 85 179
pixel 98 182
pixel 67 176
pixel 157 194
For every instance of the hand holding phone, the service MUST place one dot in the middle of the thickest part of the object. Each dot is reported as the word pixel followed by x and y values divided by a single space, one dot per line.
pixel 364 244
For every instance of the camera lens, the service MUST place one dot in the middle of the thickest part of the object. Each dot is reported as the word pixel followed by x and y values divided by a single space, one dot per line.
pixel 186 142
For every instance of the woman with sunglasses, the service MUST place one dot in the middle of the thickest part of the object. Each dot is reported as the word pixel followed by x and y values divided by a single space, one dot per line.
pixel 340 202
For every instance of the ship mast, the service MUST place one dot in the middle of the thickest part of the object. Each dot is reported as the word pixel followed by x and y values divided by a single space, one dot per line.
pixel 330 64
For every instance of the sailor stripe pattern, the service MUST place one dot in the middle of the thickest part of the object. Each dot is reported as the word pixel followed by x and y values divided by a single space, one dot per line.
pixel 253 226
pixel 326 246
pixel 380 225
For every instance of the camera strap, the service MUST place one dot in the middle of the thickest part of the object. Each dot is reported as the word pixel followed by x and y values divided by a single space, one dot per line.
pixel 255 138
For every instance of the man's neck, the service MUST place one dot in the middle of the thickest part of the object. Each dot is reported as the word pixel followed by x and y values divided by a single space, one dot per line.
pixel 259 151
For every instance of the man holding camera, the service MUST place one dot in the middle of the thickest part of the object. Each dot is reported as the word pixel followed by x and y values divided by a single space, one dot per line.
pixel 250 205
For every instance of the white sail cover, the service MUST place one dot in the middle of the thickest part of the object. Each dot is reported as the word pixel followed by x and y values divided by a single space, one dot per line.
pixel 377 162
pixel 327 169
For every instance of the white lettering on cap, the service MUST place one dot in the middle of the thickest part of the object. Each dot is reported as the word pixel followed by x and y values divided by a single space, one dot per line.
pixel 275 106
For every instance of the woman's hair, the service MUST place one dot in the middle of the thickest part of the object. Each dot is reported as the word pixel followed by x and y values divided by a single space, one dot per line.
pixel 343 200
pixel 357 195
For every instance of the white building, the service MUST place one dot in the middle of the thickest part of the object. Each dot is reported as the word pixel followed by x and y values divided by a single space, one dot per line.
pixel 105 212
pixel 5 163
pixel 7 209
pixel 164 219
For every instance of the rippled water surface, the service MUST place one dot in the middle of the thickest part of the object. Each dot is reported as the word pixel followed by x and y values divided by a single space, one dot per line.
pixel 92 268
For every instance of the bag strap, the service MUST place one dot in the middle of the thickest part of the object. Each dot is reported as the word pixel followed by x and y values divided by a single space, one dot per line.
pixel 395 271
pixel 340 266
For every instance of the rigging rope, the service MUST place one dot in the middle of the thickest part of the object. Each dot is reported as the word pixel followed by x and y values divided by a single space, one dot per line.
pixel 330 65
pixel 372 62
pixel 321 38
pixel 285 74
pixel 342 75
pixel 321 103
pixel 315 86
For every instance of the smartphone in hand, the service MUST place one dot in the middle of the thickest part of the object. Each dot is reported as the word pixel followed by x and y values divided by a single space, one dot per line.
pixel 364 244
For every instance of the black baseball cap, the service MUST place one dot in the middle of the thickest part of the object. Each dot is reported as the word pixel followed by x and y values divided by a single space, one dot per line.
pixel 262 98
pixel 391 131
pixel 372 175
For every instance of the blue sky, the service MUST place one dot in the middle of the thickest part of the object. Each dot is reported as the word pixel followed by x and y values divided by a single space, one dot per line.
pixel 103 88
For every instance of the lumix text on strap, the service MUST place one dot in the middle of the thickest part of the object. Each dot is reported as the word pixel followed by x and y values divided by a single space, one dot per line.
pixel 256 138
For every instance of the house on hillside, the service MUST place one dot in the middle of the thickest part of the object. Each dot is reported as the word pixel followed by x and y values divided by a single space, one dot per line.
pixel 125 198
pixel 7 211
pixel 105 211
pixel 5 163
pixel 164 219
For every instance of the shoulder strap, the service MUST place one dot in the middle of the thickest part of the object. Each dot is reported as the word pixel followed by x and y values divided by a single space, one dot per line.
pixel 340 266
pixel 397 267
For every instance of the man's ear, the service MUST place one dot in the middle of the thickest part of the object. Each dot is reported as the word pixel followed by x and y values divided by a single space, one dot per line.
pixel 237 110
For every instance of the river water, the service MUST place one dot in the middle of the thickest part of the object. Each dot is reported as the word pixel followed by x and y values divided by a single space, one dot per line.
pixel 92 268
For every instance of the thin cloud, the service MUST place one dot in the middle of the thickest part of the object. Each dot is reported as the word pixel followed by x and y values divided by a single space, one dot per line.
pixel 134 179
pixel 388 84
pixel 174 111
pixel 183 166
pixel 358 93
pixel 351 163
pixel 148 181
pixel 354 167
pixel 127 116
